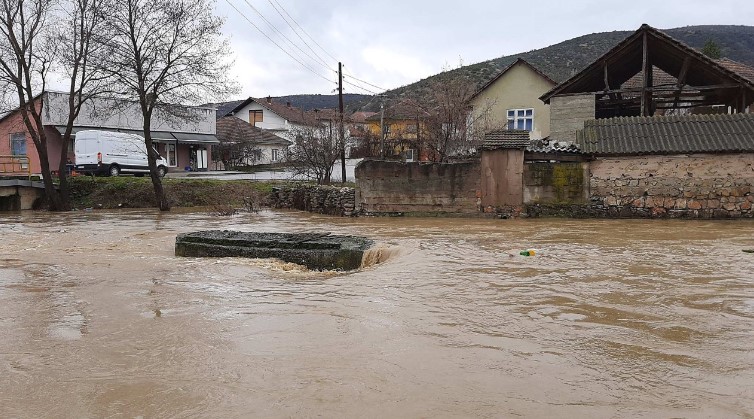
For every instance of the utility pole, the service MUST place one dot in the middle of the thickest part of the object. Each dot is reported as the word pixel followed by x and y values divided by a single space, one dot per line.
pixel 382 130
pixel 341 133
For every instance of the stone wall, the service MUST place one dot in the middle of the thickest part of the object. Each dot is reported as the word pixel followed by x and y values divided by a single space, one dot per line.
pixel 388 187
pixel 332 200
pixel 681 186
pixel 561 182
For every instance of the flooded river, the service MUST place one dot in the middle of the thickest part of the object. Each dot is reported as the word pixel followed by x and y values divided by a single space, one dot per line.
pixel 609 319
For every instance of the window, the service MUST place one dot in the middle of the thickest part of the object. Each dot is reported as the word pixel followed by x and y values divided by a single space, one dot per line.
pixel 275 154
pixel 521 119
pixel 18 144
pixel 256 116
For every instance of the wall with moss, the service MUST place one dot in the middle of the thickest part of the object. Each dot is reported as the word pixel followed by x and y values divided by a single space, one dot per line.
pixel 560 183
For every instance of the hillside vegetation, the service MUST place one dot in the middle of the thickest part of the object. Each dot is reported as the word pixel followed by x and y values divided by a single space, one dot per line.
pixel 563 60
pixel 559 62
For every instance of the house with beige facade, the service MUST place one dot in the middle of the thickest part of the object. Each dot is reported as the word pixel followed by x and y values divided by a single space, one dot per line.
pixel 511 101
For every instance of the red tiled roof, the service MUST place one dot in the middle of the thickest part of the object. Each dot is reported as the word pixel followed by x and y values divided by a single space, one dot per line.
pixel 290 113
pixel 741 69
pixel 233 130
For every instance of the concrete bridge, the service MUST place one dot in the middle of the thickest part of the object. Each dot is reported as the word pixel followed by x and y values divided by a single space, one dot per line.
pixel 19 194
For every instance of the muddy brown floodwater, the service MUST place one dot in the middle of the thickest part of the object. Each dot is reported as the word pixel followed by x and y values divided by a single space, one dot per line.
pixel 609 319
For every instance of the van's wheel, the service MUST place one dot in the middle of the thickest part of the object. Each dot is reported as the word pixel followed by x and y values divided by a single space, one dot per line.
pixel 161 171
pixel 114 170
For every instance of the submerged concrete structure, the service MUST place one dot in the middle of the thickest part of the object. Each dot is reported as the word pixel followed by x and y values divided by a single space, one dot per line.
pixel 320 251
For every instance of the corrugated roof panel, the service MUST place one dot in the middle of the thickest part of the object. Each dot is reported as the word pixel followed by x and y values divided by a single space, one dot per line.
pixel 669 134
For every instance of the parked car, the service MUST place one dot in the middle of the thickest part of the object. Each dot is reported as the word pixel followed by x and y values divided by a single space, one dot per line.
pixel 112 153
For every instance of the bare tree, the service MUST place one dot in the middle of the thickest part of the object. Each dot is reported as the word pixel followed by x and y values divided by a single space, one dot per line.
pixel 81 57
pixel 163 53
pixel 26 53
pixel 314 153
pixel 447 131
pixel 38 38
pixel 235 154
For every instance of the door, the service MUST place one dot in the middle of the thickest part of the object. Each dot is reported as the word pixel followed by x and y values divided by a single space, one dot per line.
pixel 170 155
pixel 201 159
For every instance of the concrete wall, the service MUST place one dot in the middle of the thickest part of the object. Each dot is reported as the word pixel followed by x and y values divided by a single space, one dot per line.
pixel 396 187
pixel 695 186
pixel 502 178
pixel 107 113
pixel 568 113
pixel 565 183
pixel 519 88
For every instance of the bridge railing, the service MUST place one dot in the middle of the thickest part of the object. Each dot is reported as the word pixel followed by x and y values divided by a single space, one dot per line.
pixel 15 166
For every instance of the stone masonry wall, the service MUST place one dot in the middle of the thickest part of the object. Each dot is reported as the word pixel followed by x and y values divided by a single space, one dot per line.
pixel 332 200
pixel 682 186
pixel 388 187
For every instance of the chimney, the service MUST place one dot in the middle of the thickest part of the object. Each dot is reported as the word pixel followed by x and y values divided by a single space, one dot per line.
pixel 269 100
pixel 288 104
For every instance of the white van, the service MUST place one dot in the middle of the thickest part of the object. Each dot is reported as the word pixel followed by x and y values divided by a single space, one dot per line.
pixel 113 153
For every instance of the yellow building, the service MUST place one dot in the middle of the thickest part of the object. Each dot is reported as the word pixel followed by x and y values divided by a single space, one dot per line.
pixel 511 100
pixel 403 128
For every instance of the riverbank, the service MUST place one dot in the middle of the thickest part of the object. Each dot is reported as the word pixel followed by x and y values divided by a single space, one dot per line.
pixel 137 192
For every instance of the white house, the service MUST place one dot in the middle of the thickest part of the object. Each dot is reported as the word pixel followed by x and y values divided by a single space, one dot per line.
pixel 280 118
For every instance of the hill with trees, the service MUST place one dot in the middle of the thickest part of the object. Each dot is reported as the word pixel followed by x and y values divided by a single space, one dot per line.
pixel 564 59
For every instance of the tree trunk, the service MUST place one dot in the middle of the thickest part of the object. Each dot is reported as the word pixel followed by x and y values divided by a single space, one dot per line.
pixel 39 137
pixel 159 191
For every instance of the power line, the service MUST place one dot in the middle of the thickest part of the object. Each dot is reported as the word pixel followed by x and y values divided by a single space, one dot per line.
pixel 298 59
pixel 274 28
pixel 304 31
pixel 276 44
pixel 360 87
pixel 296 32
pixel 278 9
pixel 365 82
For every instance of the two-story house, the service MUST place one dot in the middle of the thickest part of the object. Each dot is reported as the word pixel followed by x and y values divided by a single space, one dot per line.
pixel 511 101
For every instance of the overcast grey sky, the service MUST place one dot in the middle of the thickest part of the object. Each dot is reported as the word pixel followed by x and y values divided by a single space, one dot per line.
pixel 390 43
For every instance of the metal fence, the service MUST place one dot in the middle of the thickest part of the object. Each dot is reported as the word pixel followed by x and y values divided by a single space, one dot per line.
pixel 15 166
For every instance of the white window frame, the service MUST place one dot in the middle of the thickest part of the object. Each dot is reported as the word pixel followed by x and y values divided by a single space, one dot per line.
pixel 517 119
pixel 275 154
